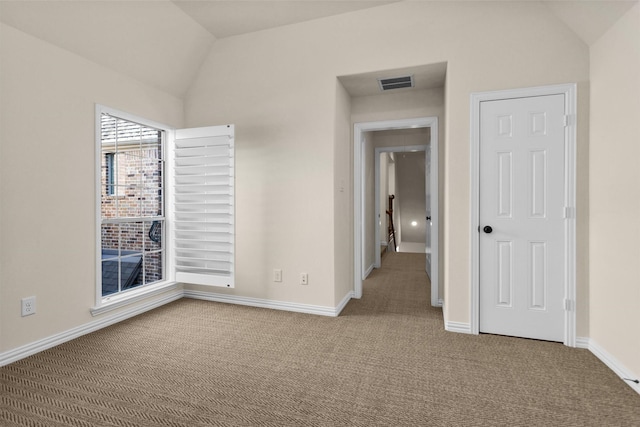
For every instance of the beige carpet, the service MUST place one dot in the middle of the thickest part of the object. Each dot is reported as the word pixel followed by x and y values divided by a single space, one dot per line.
pixel 385 361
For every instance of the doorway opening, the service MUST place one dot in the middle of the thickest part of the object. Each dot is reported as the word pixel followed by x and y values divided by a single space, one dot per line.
pixel 364 163
pixel 401 195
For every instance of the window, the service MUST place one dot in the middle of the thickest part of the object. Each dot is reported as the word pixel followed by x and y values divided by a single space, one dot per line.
pixel 166 206
pixel 132 204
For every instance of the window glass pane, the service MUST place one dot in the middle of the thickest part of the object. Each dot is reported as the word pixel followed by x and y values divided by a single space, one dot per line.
pixel 110 234
pixel 152 201
pixel 152 183
pixel 153 149
pixel 130 165
pixel 110 240
pixel 121 165
pixel 130 271
pixel 152 267
pixel 131 238
pixel 151 173
pixel 129 178
pixel 110 274
pixel 107 178
pixel 153 235
pixel 128 204
pixel 108 203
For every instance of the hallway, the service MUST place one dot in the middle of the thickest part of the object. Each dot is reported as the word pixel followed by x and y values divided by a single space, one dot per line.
pixel 400 286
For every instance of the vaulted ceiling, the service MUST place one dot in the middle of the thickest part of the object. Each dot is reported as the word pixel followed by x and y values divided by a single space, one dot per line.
pixel 230 18
pixel 139 38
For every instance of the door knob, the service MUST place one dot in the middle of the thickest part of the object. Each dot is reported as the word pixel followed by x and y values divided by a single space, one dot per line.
pixel 487 229
pixel 428 218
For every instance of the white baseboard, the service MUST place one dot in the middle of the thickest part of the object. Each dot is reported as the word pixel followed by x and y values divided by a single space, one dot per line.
pixel 344 302
pixel 439 303
pixel 264 303
pixel 613 364
pixel 459 327
pixel 57 339
pixel 368 272
pixel 582 342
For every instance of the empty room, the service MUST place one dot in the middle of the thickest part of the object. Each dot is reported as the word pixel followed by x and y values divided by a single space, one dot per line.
pixel 207 215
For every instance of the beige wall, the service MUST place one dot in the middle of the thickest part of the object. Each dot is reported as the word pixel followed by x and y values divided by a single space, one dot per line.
pixel 343 198
pixel 399 105
pixel 614 266
pixel 47 143
pixel 278 86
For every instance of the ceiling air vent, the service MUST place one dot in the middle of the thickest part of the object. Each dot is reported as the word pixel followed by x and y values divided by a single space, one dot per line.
pixel 395 82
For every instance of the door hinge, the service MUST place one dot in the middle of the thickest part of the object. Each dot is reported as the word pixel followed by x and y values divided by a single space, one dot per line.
pixel 568 212
pixel 567 120
pixel 569 305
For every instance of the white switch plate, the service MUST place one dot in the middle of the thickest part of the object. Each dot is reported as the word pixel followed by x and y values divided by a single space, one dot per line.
pixel 304 279
pixel 277 275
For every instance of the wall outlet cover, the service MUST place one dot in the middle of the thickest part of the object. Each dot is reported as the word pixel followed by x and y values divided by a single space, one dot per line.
pixel 28 306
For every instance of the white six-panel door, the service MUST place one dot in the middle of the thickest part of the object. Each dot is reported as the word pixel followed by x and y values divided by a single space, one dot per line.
pixel 522 214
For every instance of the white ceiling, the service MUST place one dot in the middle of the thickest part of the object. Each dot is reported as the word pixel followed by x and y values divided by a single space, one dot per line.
pixel 589 19
pixel 230 18
pixel 131 37
pixel 135 37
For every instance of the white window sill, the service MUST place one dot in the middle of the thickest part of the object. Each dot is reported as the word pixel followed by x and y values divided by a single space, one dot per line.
pixel 121 300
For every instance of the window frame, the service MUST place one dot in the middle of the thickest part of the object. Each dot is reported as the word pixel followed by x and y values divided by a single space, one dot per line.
pixel 112 301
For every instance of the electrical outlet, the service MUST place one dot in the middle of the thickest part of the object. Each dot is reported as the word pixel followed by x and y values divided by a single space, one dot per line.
pixel 28 306
pixel 277 275
pixel 304 279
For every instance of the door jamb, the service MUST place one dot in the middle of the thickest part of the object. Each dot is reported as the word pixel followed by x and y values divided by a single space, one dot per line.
pixel 358 195
pixel 569 91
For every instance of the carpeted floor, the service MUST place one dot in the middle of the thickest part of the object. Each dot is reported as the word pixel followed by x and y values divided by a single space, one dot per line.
pixel 385 361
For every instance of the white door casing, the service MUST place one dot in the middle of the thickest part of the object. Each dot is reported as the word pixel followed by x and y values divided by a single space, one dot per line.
pixel 522 217
pixel 380 215
pixel 358 194
pixel 428 213
pixel 523 186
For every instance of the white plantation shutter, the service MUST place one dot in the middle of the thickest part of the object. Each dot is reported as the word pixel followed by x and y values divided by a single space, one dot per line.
pixel 204 205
